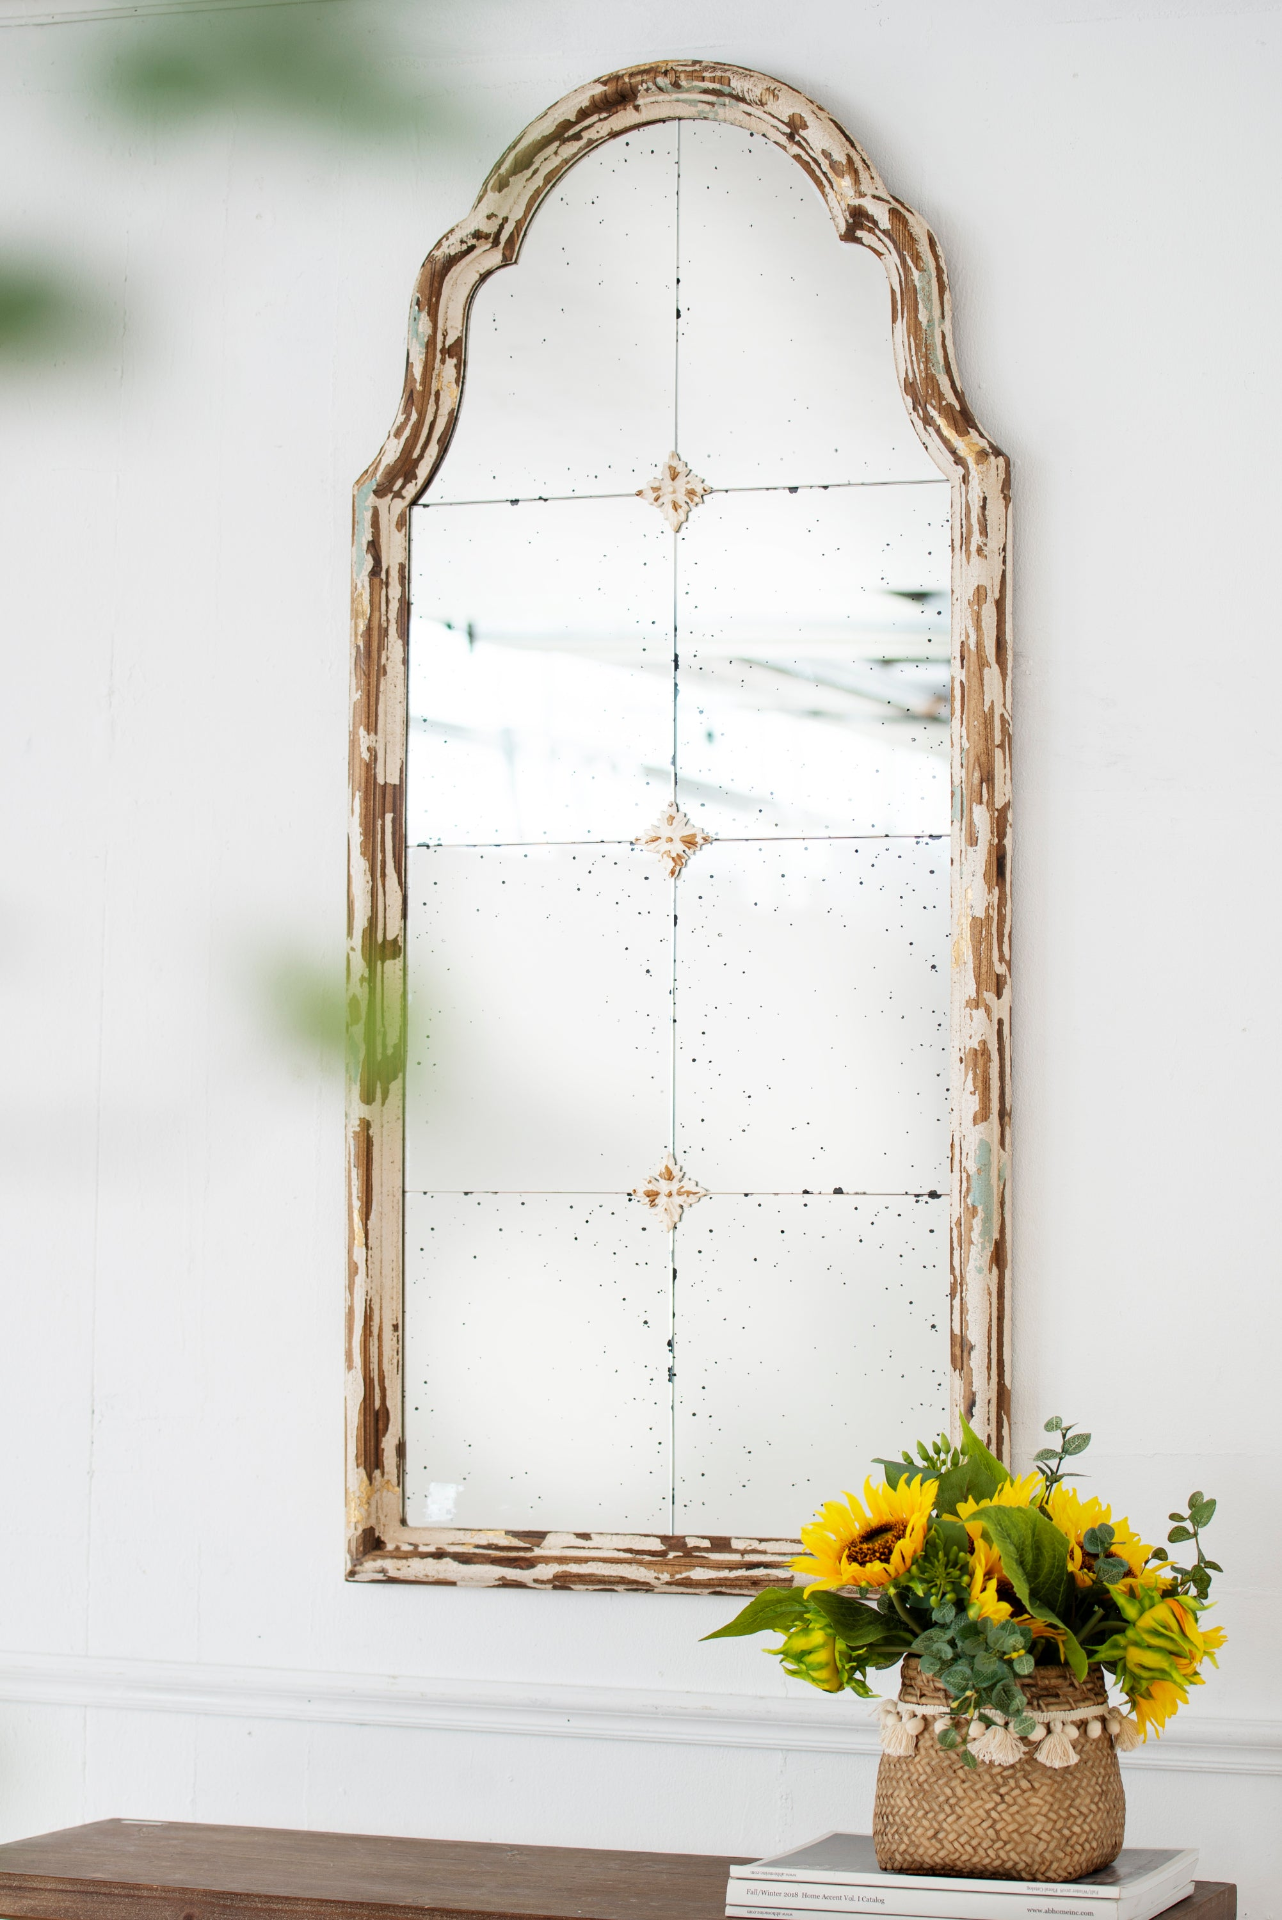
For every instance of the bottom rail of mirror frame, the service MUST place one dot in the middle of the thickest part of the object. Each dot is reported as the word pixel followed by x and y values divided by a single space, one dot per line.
pixel 604 1562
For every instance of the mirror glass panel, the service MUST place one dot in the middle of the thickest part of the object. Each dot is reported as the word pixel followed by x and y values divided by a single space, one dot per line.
pixel 677 1132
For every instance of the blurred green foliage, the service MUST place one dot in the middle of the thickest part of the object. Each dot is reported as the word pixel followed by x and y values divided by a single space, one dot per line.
pixel 334 67
pixel 306 1005
pixel 45 313
pixel 337 66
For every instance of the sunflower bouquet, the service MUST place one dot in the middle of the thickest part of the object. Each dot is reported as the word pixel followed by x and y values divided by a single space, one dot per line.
pixel 986 1578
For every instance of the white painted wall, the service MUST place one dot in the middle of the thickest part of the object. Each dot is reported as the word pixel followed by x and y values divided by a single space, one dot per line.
pixel 1102 174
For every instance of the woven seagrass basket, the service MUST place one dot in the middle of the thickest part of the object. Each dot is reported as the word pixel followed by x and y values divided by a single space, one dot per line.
pixel 1024 1821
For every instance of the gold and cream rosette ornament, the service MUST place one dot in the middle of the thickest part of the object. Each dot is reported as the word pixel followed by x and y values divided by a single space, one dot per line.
pixel 674 490
pixel 668 1192
pixel 674 837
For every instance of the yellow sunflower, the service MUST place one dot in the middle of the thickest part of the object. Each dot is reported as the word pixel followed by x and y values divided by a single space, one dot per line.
pixel 871 1543
pixel 1157 1653
pixel 991 1593
pixel 1011 1493
pixel 1154 1708
pixel 1075 1517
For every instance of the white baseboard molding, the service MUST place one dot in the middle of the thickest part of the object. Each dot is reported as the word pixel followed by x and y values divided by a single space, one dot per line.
pixel 665 1717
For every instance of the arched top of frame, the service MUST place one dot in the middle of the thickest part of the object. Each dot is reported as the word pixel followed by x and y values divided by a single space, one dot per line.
pixel 491 235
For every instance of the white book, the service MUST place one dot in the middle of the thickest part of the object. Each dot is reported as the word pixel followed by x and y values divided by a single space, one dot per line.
pixel 899 1904
pixel 838 1874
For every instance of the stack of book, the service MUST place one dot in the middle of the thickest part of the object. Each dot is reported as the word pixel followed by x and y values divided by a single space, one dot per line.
pixel 839 1875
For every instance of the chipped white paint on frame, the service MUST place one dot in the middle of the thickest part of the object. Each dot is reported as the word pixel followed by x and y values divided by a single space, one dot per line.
pixel 380 1545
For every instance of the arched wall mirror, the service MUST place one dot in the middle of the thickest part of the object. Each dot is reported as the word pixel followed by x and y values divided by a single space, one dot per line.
pixel 680 819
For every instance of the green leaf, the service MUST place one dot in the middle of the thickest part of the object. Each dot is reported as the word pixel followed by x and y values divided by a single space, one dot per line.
pixel 989 1669
pixel 1111 1570
pixel 1047 1453
pixel 1078 1663
pixel 969 1480
pixel 1023 1663
pixel 1034 1554
pixel 934 1640
pixel 1160 1553
pixel 1053 1425
pixel 957 1679
pixel 775 1611
pixel 975 1450
pixel 1076 1443
pixel 1201 1512
pixel 1177 1516
pixel 968 1759
pixel 1179 1533
pixel 895 1469
pixel 944 1615
pixel 1196 1499
pixel 854 1622
pixel 1009 1698
pixel 948 1736
pixel 1024 1725
pixel 1035 1557
pixel 1213 1566
pixel 1098 1539
pixel 860 1687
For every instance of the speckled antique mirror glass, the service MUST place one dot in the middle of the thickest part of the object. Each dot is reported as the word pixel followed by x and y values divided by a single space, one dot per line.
pixel 677 1082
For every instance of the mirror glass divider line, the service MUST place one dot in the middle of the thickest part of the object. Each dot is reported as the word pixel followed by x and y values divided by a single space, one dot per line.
pixel 380 1546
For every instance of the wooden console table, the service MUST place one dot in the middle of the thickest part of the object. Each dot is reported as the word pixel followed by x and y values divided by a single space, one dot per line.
pixel 169 1870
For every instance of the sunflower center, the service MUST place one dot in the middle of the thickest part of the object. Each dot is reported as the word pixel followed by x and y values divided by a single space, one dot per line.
pixel 874 1546
pixel 1006 1592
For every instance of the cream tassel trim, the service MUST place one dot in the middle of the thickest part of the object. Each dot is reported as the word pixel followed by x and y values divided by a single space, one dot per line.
pixel 1052 1741
pixel 1056 1750
pixel 998 1746
pixel 900 1726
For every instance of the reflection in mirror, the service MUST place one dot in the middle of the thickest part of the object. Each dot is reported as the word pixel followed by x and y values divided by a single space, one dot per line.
pixel 787 367
pixel 570 364
pixel 677 1136
pixel 854 1342
pixel 814 661
pixel 540 680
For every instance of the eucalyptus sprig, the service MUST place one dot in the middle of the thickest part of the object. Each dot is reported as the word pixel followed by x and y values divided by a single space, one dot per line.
pixel 1051 1460
pixel 975 1662
pixel 1108 1567
pixel 1189 1526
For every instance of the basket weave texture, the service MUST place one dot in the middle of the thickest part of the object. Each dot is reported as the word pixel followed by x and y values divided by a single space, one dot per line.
pixel 1023 1822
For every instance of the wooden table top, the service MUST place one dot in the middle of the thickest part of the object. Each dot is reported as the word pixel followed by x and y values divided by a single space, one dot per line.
pixel 171 1870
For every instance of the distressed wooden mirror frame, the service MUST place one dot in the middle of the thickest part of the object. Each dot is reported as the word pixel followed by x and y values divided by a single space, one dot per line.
pixel 380 1545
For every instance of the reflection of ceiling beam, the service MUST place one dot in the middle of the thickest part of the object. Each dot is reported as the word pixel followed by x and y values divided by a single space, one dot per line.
pixel 864 685
pixel 878 691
